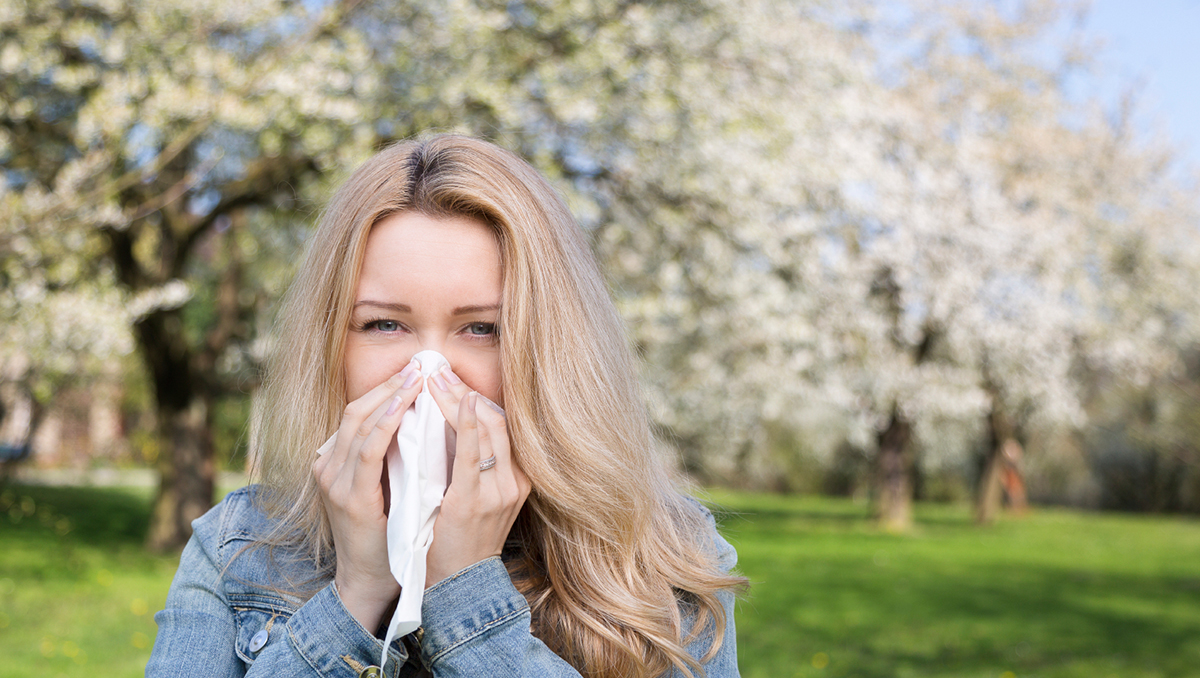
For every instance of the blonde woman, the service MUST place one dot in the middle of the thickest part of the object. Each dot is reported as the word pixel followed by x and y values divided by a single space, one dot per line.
pixel 560 548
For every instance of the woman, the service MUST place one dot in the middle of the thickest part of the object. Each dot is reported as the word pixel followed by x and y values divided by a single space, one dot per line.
pixel 560 548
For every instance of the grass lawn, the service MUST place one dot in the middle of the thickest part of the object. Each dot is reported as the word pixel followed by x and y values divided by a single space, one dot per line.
pixel 78 592
pixel 1057 594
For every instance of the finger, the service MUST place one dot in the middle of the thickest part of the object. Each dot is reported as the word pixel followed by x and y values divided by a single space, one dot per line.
pixel 318 466
pixel 448 392
pixel 493 441
pixel 409 378
pixel 523 486
pixel 368 463
pixel 342 488
pixel 495 408
pixel 466 455
pixel 323 454
pixel 368 405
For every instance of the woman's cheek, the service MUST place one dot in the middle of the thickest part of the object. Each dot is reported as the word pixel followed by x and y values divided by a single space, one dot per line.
pixel 482 376
pixel 369 366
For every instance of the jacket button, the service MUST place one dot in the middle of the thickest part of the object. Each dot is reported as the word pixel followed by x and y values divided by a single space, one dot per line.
pixel 371 672
pixel 259 640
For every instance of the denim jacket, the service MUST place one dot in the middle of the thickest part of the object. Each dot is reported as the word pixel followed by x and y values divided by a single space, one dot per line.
pixel 228 616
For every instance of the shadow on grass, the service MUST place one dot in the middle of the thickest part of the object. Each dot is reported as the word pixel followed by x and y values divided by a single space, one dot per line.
pixel 89 515
pixel 1031 620
pixel 773 509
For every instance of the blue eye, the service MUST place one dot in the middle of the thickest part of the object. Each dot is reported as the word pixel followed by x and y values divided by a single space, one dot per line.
pixel 481 329
pixel 386 325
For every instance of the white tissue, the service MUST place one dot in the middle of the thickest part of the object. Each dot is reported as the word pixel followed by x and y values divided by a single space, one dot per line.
pixel 423 468
pixel 418 474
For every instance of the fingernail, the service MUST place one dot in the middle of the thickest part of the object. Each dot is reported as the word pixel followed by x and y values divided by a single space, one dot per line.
pixel 471 401
pixel 394 406
pixel 441 383
pixel 413 376
pixel 494 406
pixel 450 375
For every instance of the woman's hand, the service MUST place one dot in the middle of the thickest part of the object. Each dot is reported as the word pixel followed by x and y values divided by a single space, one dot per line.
pixel 350 478
pixel 480 506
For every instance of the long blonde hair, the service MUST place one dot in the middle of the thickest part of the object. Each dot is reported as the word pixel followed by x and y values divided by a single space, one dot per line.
pixel 607 545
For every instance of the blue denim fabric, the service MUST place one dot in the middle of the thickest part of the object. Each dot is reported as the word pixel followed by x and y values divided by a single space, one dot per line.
pixel 475 623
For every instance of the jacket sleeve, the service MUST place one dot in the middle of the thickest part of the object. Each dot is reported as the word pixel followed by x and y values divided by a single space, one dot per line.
pixel 202 632
pixel 724 663
pixel 477 623
pixel 197 626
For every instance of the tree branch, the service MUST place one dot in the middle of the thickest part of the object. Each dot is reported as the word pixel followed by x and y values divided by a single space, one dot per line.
pixel 258 187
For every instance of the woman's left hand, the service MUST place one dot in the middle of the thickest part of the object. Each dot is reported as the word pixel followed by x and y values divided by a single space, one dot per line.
pixel 480 506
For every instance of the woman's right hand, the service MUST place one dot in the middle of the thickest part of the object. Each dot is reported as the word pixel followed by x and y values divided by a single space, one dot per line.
pixel 350 477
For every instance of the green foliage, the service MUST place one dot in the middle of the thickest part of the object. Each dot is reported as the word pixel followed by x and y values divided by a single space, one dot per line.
pixel 776 190
pixel 231 431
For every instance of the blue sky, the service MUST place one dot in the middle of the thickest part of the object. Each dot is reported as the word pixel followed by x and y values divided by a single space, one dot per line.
pixel 1154 44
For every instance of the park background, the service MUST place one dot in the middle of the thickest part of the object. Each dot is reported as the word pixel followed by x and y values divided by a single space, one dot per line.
pixel 913 285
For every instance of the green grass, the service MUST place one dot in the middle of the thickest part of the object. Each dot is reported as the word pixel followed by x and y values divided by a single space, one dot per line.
pixel 78 592
pixel 1058 594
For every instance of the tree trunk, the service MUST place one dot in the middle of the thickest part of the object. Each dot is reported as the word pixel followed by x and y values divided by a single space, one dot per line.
pixel 987 498
pixel 893 476
pixel 186 462
pixel 187 474
pixel 1001 473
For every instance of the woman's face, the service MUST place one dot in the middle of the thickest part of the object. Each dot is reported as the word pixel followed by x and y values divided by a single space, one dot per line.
pixel 426 284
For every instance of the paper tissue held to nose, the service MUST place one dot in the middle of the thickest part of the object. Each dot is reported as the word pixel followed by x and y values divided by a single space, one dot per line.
pixel 418 474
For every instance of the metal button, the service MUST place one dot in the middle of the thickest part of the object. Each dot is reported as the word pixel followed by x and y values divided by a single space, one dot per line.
pixel 259 640
pixel 371 672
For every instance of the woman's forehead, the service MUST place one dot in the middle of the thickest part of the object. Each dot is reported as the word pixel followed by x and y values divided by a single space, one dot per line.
pixel 414 255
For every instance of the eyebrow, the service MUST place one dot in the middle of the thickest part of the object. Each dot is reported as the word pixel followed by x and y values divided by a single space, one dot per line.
pixel 404 308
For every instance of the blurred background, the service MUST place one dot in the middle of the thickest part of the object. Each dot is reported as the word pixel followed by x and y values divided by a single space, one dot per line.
pixel 897 272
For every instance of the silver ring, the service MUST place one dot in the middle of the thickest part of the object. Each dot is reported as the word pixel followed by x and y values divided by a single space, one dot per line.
pixel 487 463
